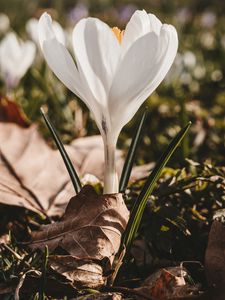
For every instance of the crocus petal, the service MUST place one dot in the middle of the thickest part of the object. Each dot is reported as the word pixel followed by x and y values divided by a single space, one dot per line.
pixel 62 64
pixel 59 32
pixel 140 24
pixel 32 30
pixel 11 45
pixel 143 68
pixel 28 53
pixel 97 52
pixel 57 56
pixel 15 58
pixel 4 23
pixel 8 54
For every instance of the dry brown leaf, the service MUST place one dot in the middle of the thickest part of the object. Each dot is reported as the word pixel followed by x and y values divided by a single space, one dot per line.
pixel 11 112
pixel 34 176
pixel 81 272
pixel 89 231
pixel 169 284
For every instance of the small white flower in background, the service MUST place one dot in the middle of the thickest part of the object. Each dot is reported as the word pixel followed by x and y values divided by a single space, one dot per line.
pixel 189 59
pixel 199 72
pixel 208 40
pixel 184 63
pixel 16 57
pixel 115 70
pixel 32 30
pixel 4 23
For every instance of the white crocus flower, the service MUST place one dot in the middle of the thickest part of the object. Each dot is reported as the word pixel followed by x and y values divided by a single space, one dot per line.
pixel 114 71
pixel 32 30
pixel 4 23
pixel 16 57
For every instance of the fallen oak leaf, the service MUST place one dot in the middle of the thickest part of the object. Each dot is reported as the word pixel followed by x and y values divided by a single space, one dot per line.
pixel 89 231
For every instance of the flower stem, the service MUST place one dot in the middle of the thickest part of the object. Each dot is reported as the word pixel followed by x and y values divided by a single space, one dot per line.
pixel 110 176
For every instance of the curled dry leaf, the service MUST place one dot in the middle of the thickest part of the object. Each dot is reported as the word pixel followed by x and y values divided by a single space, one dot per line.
pixel 169 284
pixel 11 112
pixel 82 272
pixel 90 232
pixel 34 176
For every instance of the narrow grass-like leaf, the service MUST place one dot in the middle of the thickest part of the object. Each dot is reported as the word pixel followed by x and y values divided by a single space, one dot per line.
pixel 140 203
pixel 70 168
pixel 128 164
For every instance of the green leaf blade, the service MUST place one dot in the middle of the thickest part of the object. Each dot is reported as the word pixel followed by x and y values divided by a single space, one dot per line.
pixel 128 164
pixel 70 168
pixel 139 206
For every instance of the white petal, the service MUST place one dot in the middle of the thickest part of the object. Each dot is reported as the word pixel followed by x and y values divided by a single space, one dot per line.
pixel 140 24
pixel 11 45
pixel 57 56
pixel 32 29
pixel 45 30
pixel 62 64
pixel 59 32
pixel 4 23
pixel 15 58
pixel 28 51
pixel 143 68
pixel 97 52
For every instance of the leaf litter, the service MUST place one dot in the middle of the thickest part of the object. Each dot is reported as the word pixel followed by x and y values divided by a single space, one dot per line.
pixel 90 232
pixel 65 270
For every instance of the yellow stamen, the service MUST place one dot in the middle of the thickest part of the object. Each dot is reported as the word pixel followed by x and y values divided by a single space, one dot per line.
pixel 118 33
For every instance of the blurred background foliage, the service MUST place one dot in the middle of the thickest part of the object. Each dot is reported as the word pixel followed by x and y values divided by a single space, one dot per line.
pixel 193 90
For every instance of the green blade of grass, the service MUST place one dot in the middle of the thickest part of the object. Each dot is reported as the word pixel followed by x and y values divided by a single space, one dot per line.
pixel 70 168
pixel 128 164
pixel 140 203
